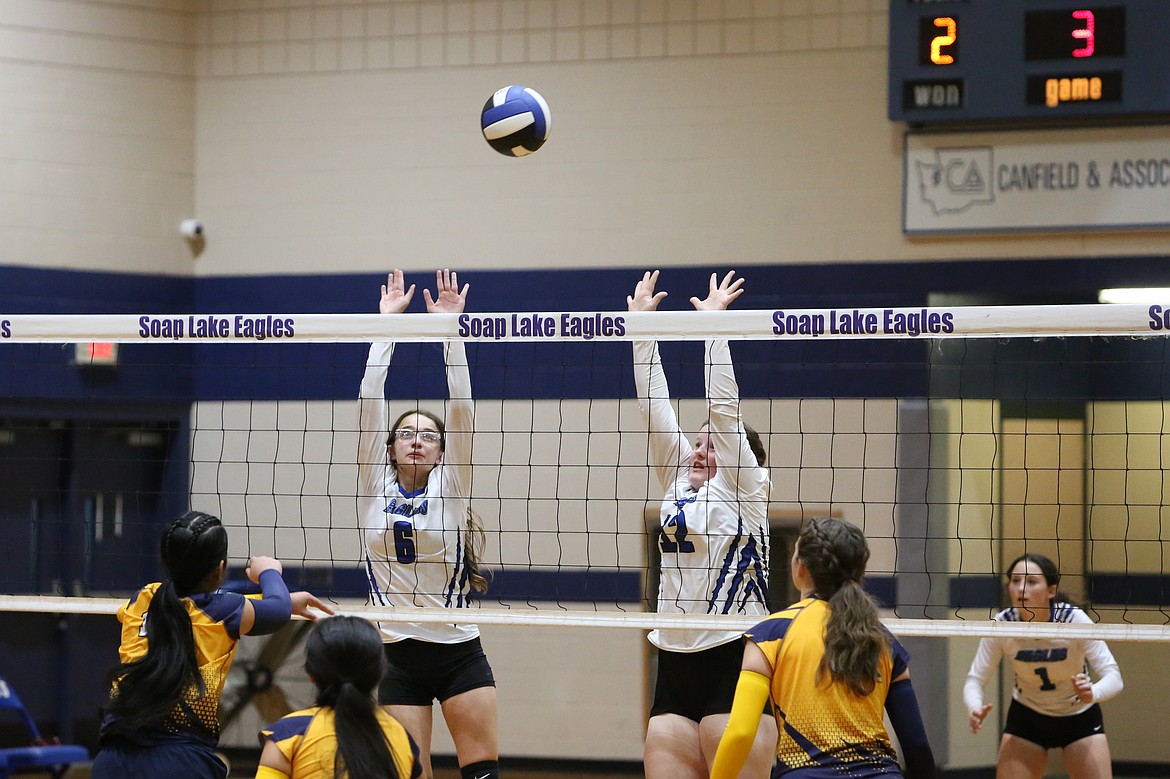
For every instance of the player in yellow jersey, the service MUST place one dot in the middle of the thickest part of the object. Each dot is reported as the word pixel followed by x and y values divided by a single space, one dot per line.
pixel 179 637
pixel 830 668
pixel 345 734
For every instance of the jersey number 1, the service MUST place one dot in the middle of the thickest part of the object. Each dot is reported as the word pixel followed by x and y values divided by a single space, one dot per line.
pixel 1046 683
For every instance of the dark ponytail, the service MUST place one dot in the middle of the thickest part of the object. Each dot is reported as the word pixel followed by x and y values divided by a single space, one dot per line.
pixel 344 658
pixel 835 554
pixel 146 691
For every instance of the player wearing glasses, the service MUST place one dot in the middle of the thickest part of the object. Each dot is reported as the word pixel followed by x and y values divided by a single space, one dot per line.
pixel 422 543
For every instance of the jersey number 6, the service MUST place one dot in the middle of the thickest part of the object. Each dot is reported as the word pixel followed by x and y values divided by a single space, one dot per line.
pixel 404 542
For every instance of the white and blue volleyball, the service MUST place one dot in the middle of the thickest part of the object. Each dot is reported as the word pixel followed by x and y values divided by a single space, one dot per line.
pixel 515 121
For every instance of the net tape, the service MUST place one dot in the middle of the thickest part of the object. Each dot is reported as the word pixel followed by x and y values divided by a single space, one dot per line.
pixel 643 621
pixel 782 324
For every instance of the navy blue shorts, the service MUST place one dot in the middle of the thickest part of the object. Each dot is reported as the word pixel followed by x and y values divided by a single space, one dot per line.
pixel 173 759
pixel 698 684
pixel 421 672
pixel 1052 732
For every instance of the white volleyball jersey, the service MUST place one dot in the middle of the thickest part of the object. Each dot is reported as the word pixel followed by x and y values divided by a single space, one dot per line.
pixel 1044 667
pixel 415 553
pixel 714 540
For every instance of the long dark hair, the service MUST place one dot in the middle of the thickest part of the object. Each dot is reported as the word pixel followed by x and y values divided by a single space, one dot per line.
pixel 474 538
pixel 344 658
pixel 756 443
pixel 835 554
pixel 147 690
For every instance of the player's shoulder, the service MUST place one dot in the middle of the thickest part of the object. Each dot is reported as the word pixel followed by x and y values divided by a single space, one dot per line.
pixel 776 626
pixel 141 598
pixel 218 606
pixel 1069 613
pixel 290 725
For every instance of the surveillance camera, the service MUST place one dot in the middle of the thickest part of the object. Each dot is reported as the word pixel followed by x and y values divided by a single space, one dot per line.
pixel 191 228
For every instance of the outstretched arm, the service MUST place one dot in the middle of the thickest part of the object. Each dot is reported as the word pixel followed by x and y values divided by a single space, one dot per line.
pixel 372 407
pixel 450 298
pixel 669 448
pixel 728 438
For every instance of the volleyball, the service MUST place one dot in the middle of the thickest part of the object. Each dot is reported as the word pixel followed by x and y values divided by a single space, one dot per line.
pixel 515 121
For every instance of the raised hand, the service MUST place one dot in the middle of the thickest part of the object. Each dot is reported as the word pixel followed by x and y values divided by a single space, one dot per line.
pixel 720 294
pixel 395 296
pixel 258 564
pixel 978 715
pixel 644 297
pixel 449 298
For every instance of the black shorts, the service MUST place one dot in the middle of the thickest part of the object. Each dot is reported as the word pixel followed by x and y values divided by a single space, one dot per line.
pixel 421 672
pixel 1052 732
pixel 698 684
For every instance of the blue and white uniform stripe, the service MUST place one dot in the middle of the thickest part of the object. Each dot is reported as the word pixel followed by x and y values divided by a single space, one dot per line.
pixel 415 541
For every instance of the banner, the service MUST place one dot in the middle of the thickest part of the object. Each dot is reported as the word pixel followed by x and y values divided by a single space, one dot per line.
pixel 1036 180
pixel 1134 319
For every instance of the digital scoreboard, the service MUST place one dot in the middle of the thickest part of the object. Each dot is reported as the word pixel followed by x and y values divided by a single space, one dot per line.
pixel 1008 60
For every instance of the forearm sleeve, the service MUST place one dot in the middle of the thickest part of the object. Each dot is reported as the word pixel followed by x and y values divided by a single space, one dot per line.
pixel 751 693
pixel 902 706
pixel 274 609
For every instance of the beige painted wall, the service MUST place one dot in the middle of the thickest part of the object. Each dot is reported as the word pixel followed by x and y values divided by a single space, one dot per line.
pixel 97 134
pixel 342 136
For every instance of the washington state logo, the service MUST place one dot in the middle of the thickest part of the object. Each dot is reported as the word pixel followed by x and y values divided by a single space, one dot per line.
pixel 956 179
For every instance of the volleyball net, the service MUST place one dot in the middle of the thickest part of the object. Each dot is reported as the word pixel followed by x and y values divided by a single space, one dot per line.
pixel 955 438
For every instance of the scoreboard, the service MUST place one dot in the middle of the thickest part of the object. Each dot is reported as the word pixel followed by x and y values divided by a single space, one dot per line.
pixel 1036 60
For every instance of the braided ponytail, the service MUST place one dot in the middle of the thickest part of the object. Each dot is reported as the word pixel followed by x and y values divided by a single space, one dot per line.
pixel 835 554
pixel 145 692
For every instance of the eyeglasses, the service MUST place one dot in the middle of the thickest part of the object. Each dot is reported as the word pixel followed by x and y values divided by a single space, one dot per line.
pixel 426 436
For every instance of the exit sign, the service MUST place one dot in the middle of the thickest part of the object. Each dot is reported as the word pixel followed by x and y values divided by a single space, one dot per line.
pixel 96 353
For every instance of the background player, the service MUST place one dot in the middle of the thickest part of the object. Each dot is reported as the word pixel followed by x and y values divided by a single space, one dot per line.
pixel 714 544
pixel 421 543
pixel 830 667
pixel 1054 701
pixel 178 639
pixel 345 733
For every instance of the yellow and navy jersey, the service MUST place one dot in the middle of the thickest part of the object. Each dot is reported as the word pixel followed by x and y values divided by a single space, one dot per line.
pixel 308 740
pixel 825 729
pixel 215 624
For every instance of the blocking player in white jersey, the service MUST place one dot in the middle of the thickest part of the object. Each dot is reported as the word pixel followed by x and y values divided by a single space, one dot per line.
pixel 1054 701
pixel 714 545
pixel 422 544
